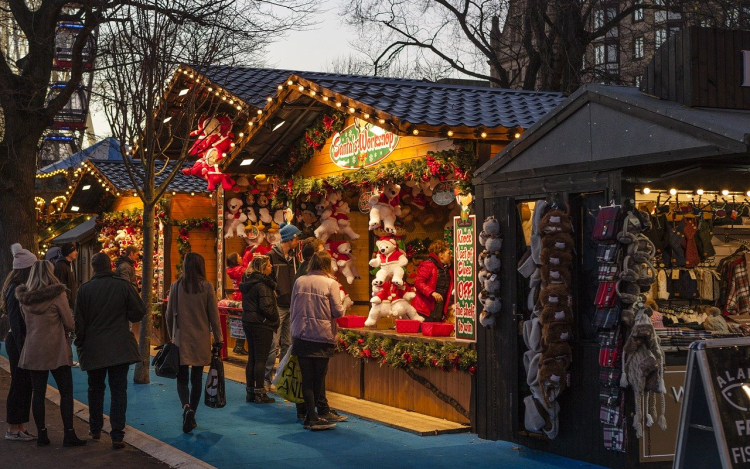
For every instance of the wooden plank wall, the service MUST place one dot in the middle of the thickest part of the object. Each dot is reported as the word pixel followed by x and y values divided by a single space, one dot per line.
pixel 202 242
pixel 701 67
pixel 127 203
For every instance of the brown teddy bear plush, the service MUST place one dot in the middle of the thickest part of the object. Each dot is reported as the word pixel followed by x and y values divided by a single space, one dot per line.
pixel 556 294
pixel 555 221
pixel 553 274
pixel 558 241
pixel 554 313
pixel 553 332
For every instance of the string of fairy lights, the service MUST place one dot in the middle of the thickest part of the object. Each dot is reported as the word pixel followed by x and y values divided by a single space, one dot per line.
pixel 294 83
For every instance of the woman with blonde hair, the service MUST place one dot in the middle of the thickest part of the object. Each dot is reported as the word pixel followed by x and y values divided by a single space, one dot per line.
pixel 45 309
pixel 191 309
pixel 316 303
pixel 260 320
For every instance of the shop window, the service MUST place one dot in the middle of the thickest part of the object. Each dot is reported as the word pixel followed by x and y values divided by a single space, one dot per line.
pixel 599 53
pixel 638 47
pixel 660 37
pixel 638 13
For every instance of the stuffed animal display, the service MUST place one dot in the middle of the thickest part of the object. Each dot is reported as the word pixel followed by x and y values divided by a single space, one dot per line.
pixel 390 260
pixel 214 141
pixel 235 219
pixel 488 276
pixel 385 206
pixel 343 259
pixel 549 330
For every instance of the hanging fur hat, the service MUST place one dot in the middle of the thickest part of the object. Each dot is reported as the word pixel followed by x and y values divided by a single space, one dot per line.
pixel 555 221
pixel 554 313
pixel 556 257
pixel 558 241
pixel 553 332
pixel 556 294
pixel 552 274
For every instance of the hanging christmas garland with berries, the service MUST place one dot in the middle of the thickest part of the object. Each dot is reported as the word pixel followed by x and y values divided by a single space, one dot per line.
pixel 458 162
pixel 184 227
pixel 411 356
pixel 301 151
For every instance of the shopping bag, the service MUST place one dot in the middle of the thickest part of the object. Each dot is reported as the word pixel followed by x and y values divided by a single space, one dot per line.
pixel 282 364
pixel 289 385
pixel 166 363
pixel 215 394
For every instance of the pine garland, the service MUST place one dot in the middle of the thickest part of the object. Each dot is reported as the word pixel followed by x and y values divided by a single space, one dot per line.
pixel 459 162
pixel 301 151
pixel 446 356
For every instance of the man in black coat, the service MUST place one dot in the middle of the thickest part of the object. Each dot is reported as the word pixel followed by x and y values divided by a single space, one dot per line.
pixel 105 305
pixel 64 270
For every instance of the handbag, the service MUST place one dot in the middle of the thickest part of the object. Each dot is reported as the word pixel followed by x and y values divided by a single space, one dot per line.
pixel 215 392
pixel 167 361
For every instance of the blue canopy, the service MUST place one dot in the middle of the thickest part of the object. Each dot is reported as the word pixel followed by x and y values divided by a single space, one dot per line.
pixel 104 150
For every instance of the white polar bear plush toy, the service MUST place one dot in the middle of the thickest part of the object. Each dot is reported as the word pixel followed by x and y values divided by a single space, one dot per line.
pixel 328 225
pixel 385 207
pixel 343 259
pixel 340 211
pixel 380 305
pixel 400 303
pixel 346 300
pixel 391 260
pixel 235 219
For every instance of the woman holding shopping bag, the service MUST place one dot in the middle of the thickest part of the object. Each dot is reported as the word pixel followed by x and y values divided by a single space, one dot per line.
pixel 316 303
pixel 260 320
pixel 191 308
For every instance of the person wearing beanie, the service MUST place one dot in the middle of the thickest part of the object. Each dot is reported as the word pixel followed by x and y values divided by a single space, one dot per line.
pixel 64 270
pixel 18 404
pixel 284 263
pixel 104 308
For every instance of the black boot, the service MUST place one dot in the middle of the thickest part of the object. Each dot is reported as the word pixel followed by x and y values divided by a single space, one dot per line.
pixel 262 398
pixel 71 439
pixel 42 439
pixel 249 395
pixel 239 347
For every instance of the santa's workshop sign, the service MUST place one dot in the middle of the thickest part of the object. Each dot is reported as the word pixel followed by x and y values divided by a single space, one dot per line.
pixel 361 145
pixel 464 268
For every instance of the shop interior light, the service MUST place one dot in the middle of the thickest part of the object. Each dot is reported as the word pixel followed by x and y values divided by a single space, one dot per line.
pixel 75 208
pixel 484 134
pixel 167 119
pixel 269 99
pixel 290 83
pixel 192 194
pixel 366 116
pixel 223 98
pixel 312 92
pixel 415 131
pixel 231 101
pixel 301 88
pixel 325 98
pixel 646 190
pixel 247 162
pixel 277 126
pixel 242 134
pixel 699 192
pixel 210 89
pixel 351 110
pixel 280 87
pixel 260 111
pixel 86 187
pixel 725 192
pixel 338 104
pixel 118 194
pixel 184 91
pixel 672 191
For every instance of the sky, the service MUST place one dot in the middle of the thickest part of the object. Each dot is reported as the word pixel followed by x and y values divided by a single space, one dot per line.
pixel 310 50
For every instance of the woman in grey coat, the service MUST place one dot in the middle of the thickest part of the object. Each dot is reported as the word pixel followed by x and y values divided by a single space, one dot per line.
pixel 191 308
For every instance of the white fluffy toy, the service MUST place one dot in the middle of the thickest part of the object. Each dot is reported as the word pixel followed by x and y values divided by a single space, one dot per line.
pixel 235 219
pixel 385 207
pixel 391 260
pixel 400 303
pixel 380 305
pixel 343 259
pixel 340 211
pixel 328 225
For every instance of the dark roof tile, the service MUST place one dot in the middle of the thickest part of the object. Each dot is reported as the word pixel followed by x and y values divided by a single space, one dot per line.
pixel 117 174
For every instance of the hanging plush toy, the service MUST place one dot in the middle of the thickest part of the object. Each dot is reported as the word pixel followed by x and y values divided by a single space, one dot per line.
pixel 340 211
pixel 391 260
pixel 215 141
pixel 328 225
pixel 400 303
pixel 235 219
pixel 385 207
pixel 341 253
pixel 261 204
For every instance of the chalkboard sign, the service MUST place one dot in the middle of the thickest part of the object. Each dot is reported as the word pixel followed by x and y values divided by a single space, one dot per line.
pixel 715 419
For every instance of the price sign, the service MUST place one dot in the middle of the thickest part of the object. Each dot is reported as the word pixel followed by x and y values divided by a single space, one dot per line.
pixel 464 268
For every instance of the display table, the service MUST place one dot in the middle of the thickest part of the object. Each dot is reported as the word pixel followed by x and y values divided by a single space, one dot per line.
pixel 376 382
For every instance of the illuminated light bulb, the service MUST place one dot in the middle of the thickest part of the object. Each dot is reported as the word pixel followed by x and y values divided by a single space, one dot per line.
pixel 239 108
pixel 192 193
pixel 269 99
pixel 210 89
pixel 646 190
pixel 381 121
pixel 174 193
pixel 216 94
pixel 249 124
pixel 450 133
pixel 231 101
pixel 242 134
pixel 672 191
pixel 517 135
pixel 725 192
pixel 301 88
pixel 260 111
pixel 280 87
pixel 415 132
pixel 367 116
pixel 223 98
pixel 312 93
pixel 351 109
pixel 484 134
pixel 290 83
pixel 699 192
pixel 325 98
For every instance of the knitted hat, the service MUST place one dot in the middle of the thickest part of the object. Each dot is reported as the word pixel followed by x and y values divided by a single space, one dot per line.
pixel 22 258
pixel 68 248
pixel 288 232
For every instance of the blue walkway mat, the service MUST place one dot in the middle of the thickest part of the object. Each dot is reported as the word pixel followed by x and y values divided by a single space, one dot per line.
pixel 251 435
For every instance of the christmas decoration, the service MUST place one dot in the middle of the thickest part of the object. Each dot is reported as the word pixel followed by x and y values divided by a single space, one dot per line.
pixel 385 207
pixel 405 354
pixel 391 260
pixel 184 227
pixel 340 211
pixel 315 137
pixel 235 219
pixel 341 253
pixel 215 141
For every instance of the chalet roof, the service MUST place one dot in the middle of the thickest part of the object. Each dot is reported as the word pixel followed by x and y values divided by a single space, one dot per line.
pixel 103 150
pixel 117 175
pixel 413 101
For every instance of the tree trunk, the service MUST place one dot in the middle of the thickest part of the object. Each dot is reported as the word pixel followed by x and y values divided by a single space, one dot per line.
pixel 141 373
pixel 17 210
